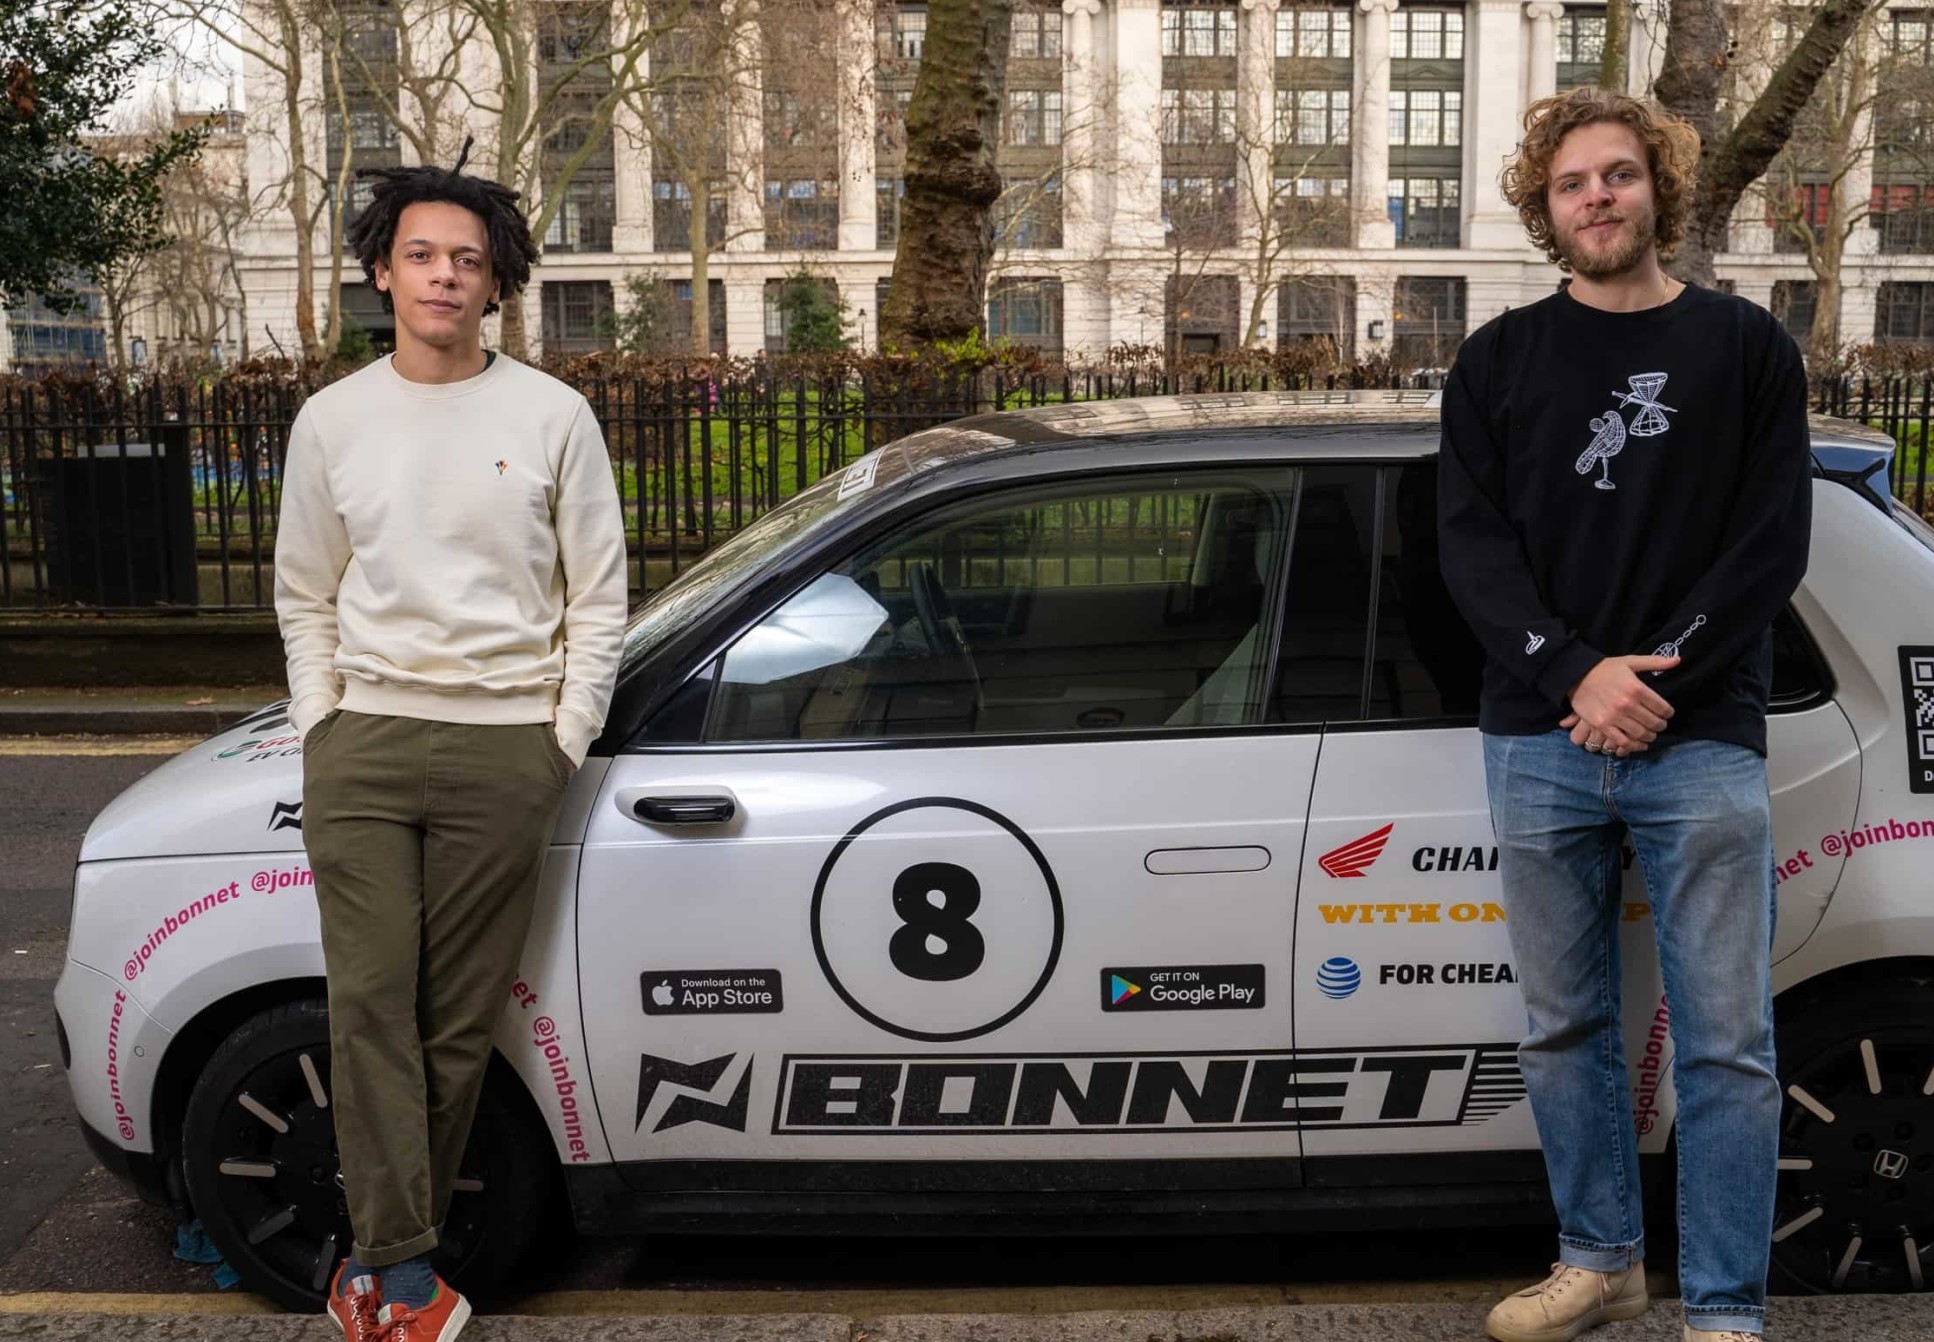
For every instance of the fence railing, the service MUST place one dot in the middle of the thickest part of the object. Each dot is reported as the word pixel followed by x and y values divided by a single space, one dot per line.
pixel 164 497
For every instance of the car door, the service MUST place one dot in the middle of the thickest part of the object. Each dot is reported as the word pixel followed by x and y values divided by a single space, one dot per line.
pixel 1402 943
pixel 981 855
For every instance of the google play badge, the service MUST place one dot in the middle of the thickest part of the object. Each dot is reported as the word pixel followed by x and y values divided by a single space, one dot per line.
pixel 1121 989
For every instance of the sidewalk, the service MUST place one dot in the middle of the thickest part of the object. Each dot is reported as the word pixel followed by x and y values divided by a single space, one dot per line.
pixel 177 710
pixel 1815 1319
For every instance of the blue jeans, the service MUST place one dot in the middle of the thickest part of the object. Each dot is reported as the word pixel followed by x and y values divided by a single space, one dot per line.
pixel 1700 819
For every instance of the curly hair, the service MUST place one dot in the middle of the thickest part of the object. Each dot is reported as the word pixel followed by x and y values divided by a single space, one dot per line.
pixel 512 250
pixel 1671 154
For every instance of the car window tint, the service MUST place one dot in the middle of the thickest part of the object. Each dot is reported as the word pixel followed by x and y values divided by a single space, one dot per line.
pixel 1124 605
pixel 1326 604
pixel 1800 678
pixel 1426 662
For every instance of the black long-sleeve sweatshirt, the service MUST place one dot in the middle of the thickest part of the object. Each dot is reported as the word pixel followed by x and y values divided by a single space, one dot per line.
pixel 1626 482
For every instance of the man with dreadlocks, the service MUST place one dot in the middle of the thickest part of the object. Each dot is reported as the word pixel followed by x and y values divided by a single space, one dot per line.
pixel 450 584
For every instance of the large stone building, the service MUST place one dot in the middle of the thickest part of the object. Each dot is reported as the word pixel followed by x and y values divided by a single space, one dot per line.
pixel 1203 174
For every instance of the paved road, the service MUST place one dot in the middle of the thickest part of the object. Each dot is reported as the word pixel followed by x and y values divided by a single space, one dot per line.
pixel 81 1258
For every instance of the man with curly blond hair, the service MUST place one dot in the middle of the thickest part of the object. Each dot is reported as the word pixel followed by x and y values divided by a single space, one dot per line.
pixel 1624 502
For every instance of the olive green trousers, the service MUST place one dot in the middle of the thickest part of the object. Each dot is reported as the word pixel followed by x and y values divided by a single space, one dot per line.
pixel 427 840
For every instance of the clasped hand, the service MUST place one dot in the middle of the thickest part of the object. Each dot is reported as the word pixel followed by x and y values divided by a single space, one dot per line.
pixel 1613 711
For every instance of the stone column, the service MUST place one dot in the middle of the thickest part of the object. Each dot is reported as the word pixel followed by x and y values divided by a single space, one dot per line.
pixel 1864 241
pixel 745 315
pixel 631 185
pixel 745 175
pixel 1543 61
pixel 859 206
pixel 1491 46
pixel 1370 128
pixel 1138 115
pixel 1255 116
pixel 1083 111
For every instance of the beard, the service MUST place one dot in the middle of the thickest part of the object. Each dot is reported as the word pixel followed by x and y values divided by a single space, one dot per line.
pixel 1631 238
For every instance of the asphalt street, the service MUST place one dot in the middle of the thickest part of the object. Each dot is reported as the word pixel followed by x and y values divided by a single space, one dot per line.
pixel 80 1257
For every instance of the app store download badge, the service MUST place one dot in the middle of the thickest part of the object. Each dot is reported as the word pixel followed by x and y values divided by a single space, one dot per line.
pixel 711 992
pixel 1182 988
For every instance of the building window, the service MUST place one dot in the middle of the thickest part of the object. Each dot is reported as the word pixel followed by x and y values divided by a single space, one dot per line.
pixel 1026 311
pixel 678 318
pixel 1427 35
pixel 1794 303
pixel 1203 313
pixel 1911 39
pixel 901 33
pixel 1198 30
pixel 671 217
pixel 1034 116
pixel 1581 38
pixel 1905 217
pixel 1028 214
pixel 1037 35
pixel 888 193
pixel 370 128
pixel 1425 211
pixel 1426 117
pixel 1906 312
pixel 577 315
pixel 1317 311
pixel 1319 34
pixel 1428 316
pixel 1198 116
pixel 1199 211
pixel 890 120
pixel 1581 47
pixel 1807 212
pixel 1313 210
pixel 778 322
pixel 584 217
pixel 802 214
pixel 1313 116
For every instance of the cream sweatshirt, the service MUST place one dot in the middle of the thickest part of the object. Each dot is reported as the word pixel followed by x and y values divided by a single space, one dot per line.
pixel 452 552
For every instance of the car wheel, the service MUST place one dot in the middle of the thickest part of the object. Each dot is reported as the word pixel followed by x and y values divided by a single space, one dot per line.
pixel 1855 1208
pixel 259 1158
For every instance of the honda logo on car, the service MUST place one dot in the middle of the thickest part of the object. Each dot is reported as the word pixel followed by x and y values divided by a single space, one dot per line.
pixel 1141 1092
pixel 1355 857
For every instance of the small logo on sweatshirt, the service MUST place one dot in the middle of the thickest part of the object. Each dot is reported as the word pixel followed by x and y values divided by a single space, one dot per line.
pixel 1672 649
pixel 502 466
pixel 1535 642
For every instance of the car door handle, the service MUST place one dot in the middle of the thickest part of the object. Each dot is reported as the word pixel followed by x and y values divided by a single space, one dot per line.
pixel 693 810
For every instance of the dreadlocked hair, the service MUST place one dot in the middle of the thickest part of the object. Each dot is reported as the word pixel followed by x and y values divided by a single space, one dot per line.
pixel 512 250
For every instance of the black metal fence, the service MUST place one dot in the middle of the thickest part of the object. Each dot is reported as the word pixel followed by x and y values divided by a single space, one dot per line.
pixel 164 497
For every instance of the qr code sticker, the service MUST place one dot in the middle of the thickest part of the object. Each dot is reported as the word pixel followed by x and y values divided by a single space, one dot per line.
pixel 1917 700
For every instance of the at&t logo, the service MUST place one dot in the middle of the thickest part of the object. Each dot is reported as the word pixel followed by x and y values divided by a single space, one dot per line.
pixel 1338 977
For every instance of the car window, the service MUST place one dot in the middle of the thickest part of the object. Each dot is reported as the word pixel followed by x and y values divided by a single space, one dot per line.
pixel 1076 607
pixel 1359 529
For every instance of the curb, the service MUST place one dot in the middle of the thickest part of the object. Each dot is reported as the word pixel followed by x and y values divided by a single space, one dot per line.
pixel 157 721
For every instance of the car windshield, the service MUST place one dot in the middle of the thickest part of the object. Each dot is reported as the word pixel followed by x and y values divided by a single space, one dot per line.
pixel 725 568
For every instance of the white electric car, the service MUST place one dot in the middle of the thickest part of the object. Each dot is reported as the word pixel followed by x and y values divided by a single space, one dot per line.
pixel 1062 819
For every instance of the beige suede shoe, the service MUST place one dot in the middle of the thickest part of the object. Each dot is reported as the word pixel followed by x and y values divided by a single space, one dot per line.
pixel 1572 1300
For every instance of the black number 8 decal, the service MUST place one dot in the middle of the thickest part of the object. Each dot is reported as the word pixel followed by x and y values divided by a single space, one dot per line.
pixel 947 923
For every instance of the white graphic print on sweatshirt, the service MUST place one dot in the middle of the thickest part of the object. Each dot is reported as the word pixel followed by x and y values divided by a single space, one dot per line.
pixel 1610 430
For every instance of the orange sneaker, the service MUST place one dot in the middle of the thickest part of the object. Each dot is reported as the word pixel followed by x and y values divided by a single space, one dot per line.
pixel 439 1321
pixel 354 1305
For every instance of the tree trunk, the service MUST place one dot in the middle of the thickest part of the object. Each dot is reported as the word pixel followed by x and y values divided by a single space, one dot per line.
pixel 1613 72
pixel 1695 60
pixel 939 280
pixel 701 242
pixel 305 219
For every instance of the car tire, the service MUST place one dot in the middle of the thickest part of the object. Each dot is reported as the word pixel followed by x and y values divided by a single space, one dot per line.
pixel 259 1159
pixel 1855 1204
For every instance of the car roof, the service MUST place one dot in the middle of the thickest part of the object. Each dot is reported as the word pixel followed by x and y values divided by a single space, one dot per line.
pixel 1342 422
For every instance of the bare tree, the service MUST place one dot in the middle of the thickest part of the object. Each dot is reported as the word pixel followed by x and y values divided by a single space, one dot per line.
pixel 1733 158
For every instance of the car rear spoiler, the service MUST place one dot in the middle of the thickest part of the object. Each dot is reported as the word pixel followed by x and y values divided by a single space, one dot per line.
pixel 1861 467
